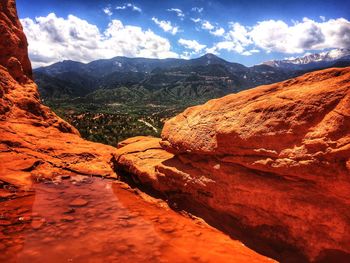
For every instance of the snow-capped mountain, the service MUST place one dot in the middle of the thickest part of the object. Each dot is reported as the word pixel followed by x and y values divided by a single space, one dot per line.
pixel 323 59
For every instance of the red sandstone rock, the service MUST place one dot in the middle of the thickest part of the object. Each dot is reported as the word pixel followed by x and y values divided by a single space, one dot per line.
pixel 273 161
pixel 13 43
pixel 36 144
pixel 78 202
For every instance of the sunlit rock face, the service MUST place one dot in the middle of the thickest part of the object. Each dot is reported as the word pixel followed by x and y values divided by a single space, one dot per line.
pixel 273 161
pixel 13 43
pixel 34 141
pixel 270 165
pixel 52 209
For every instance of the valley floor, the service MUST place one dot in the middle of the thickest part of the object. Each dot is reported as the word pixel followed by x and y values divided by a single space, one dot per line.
pixel 113 123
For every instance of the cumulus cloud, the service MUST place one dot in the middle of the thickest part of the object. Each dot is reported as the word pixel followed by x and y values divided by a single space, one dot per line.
pixel 129 6
pixel 207 25
pixel 108 11
pixel 250 52
pixel 192 45
pixel 166 26
pixel 52 39
pixel 218 32
pixel 213 29
pixel 178 12
pixel 278 36
pixel 226 45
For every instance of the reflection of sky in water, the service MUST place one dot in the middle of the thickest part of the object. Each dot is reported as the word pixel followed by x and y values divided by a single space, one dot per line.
pixel 108 222
pixel 104 228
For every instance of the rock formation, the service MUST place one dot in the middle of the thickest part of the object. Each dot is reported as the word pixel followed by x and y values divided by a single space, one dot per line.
pixel 273 161
pixel 269 166
pixel 36 144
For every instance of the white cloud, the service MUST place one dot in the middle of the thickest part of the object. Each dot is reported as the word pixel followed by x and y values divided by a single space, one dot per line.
pixel 178 12
pixel 192 45
pixel 229 46
pixel 52 39
pixel 166 26
pixel 108 11
pixel 197 9
pixel 250 52
pixel 196 20
pixel 323 18
pixel 218 32
pixel 129 5
pixel 214 30
pixel 278 36
pixel 212 50
pixel 207 25
pixel 186 55
pixel 238 34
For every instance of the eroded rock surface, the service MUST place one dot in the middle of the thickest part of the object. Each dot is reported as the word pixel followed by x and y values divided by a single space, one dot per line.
pixel 273 161
pixel 34 142
pixel 36 145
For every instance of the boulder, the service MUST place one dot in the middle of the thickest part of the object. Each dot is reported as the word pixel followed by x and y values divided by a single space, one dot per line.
pixel 269 165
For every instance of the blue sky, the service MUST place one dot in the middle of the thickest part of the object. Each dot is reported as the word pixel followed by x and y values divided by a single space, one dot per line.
pixel 247 32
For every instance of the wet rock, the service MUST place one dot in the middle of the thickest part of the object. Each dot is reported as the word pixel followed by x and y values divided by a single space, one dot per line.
pixel 67 218
pixel 23 210
pixel 197 233
pixel 97 249
pixel 76 233
pixel 5 195
pixel 2 246
pixel 78 202
pixel 5 222
pixel 37 224
pixel 24 219
pixel 121 248
pixel 168 229
pixel 31 253
pixel 127 224
pixel 125 217
pixel 103 215
pixel 154 218
pixel 69 211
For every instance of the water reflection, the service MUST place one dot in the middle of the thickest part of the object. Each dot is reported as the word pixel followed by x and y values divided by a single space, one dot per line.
pixel 81 219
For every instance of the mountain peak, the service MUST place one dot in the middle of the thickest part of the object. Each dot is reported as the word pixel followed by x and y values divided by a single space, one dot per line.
pixel 311 60
pixel 210 56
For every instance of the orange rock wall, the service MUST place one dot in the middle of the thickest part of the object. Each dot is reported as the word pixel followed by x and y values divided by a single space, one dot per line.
pixel 34 141
pixel 273 161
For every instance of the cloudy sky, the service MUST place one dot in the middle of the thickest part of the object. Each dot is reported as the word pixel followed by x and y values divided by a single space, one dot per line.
pixel 243 31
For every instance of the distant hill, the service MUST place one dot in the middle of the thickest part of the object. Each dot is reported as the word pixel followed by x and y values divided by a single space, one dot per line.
pixel 167 81
pixel 133 80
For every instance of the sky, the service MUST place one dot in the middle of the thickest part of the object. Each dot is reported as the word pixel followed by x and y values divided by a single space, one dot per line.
pixel 242 31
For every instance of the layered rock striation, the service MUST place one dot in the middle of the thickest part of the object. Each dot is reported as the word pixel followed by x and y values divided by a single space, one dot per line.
pixel 271 164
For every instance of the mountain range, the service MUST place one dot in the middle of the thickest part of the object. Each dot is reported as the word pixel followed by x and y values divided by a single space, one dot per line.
pixel 312 61
pixel 169 81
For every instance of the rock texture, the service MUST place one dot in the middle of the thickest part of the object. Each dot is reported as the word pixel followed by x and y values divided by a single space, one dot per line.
pixel 273 161
pixel 36 144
